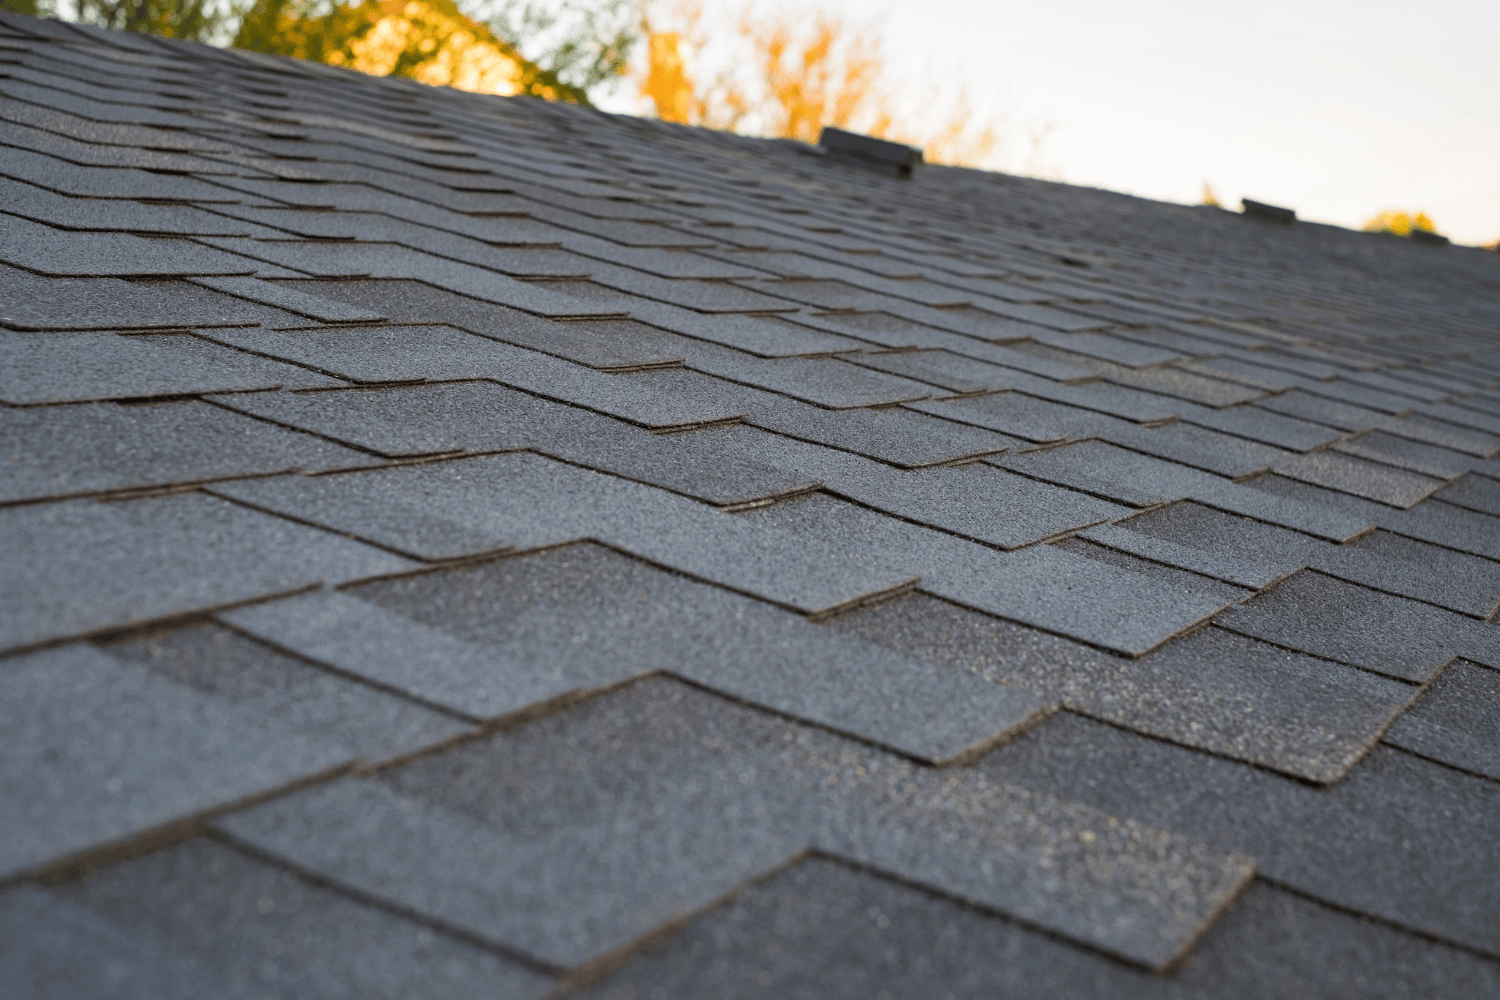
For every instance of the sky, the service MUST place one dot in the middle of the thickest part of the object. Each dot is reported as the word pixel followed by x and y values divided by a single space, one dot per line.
pixel 1336 108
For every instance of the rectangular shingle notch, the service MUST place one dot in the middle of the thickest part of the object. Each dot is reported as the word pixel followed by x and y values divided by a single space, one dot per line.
pixel 1267 213
pixel 891 158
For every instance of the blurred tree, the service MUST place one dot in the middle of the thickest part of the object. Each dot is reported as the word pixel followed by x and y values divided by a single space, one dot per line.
pixel 1209 198
pixel 560 51
pixel 431 41
pixel 435 42
pixel 195 20
pixel 1399 223
pixel 584 45
pixel 789 77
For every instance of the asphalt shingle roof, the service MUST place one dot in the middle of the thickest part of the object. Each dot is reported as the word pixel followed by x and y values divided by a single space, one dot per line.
pixel 462 546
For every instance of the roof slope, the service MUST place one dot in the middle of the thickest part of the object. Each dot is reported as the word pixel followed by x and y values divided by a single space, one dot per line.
pixel 467 546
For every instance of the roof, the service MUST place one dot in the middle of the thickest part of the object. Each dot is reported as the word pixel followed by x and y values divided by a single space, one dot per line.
pixel 457 546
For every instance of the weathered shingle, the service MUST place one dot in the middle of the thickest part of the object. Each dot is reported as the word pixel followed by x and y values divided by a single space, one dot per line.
pixel 464 546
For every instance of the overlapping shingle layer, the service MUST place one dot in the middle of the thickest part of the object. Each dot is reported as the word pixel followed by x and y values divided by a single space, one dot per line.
pixel 463 546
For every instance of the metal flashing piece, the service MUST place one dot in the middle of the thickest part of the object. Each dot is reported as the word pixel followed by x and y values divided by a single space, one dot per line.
pixel 1267 213
pixel 892 158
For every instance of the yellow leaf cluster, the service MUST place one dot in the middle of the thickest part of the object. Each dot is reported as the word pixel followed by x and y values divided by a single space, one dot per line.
pixel 419 40
pixel 431 41
pixel 1399 223
pixel 667 83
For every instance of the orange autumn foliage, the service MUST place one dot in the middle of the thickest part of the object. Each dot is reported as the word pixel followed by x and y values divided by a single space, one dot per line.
pixel 1399 223
pixel 793 80
pixel 431 41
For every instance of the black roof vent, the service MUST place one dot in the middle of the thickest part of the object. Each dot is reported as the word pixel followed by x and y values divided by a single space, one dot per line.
pixel 890 158
pixel 1268 213
pixel 1427 236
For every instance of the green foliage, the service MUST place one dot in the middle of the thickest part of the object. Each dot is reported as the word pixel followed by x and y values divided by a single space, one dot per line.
pixel 576 45
pixel 196 20
pixel 28 7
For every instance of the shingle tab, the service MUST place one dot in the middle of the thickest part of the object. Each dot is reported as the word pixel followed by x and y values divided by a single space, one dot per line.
pixel 1379 842
pixel 168 735
pixel 202 918
pixel 724 465
pixel 78 567
pixel 1473 492
pixel 61 253
pixel 458 509
pixel 1041 586
pixel 312 306
pixel 1212 690
pixel 376 354
pixel 830 930
pixel 1454 721
pixel 543 531
pixel 1327 617
pixel 510 637
pixel 83 367
pixel 32 302
pixel 1429 460
pixel 1198 538
pixel 518 848
pixel 138 447
pixel 1364 479
pixel 1389 562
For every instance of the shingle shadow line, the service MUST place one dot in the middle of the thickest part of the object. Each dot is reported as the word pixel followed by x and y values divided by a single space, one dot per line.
pixel 1443 763
pixel 597 968
pixel 1263 768
pixel 124 493
pixel 178 619
pixel 946 393
pixel 350 535
pixel 80 864
pixel 1368 530
pixel 387 458
pixel 1241 478
pixel 884 293
pixel 996 546
pixel 1072 488
pixel 1371 670
pixel 1392 427
pixel 175 397
pixel 361 679
pixel 435 458
pixel 1165 968
pixel 1253 591
pixel 962 756
pixel 1181 633
pixel 384 905
pixel 1426 935
pixel 286 361
pixel 1335 574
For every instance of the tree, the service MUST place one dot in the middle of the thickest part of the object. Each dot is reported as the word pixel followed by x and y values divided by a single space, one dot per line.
pixel 789 77
pixel 427 40
pixel 1399 223
pixel 583 45
pixel 195 20
pixel 435 42
pixel 559 52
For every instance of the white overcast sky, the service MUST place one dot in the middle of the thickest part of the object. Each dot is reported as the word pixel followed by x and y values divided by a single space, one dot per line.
pixel 1337 108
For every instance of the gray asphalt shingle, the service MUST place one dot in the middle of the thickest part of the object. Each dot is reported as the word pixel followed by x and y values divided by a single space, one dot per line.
pixel 454 545
pixel 518 848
